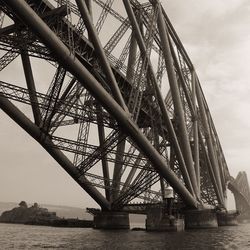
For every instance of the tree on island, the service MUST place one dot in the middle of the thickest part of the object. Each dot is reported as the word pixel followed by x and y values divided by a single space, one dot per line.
pixel 35 205
pixel 23 204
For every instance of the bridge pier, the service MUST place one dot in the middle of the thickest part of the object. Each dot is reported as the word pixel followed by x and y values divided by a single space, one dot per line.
pixel 243 219
pixel 158 220
pixel 227 219
pixel 199 219
pixel 111 220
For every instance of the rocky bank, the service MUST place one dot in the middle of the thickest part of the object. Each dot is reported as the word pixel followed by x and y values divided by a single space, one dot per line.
pixel 35 215
pixel 28 215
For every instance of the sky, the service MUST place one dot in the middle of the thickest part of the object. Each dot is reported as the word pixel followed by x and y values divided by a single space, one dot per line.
pixel 217 38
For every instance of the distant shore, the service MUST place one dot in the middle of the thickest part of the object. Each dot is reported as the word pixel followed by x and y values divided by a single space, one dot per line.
pixel 36 215
pixel 59 223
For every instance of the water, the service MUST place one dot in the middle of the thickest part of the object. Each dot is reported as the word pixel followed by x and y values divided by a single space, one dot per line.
pixel 39 237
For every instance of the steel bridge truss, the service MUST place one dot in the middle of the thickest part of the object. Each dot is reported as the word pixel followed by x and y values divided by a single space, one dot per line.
pixel 102 115
pixel 240 188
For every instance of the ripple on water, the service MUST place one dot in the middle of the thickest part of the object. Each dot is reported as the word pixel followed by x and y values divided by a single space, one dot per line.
pixel 36 237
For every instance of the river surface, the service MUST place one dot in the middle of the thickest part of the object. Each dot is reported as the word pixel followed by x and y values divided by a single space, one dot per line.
pixel 41 237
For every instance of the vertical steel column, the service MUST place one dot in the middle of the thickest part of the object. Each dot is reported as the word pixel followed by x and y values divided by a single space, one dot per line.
pixel 121 145
pixel 100 126
pixel 31 87
pixel 101 54
pixel 162 189
pixel 118 167
pixel 48 145
pixel 196 136
pixel 105 167
pixel 209 142
pixel 185 144
pixel 131 58
pixel 182 80
pixel 62 53
pixel 161 102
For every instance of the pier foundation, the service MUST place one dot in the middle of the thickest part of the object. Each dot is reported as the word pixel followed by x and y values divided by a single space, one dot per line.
pixel 227 219
pixel 157 220
pixel 111 220
pixel 197 219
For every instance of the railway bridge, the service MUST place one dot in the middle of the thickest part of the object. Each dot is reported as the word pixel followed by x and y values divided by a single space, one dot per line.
pixel 124 113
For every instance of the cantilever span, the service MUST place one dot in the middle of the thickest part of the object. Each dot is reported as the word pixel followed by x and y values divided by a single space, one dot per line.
pixel 124 113
pixel 240 188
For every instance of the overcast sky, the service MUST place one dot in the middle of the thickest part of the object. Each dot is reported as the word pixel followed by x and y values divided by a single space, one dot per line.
pixel 217 38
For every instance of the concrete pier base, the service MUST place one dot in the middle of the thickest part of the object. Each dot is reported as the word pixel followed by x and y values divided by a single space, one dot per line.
pixel 158 221
pixel 111 220
pixel 197 219
pixel 227 219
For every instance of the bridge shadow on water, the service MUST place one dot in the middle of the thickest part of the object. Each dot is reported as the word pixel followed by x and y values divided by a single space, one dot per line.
pixel 36 237
pixel 220 238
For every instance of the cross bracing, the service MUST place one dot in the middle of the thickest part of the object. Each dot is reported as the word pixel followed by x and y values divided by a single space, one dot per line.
pixel 124 108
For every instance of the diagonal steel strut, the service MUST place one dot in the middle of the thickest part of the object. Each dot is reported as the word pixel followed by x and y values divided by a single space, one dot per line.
pixel 77 69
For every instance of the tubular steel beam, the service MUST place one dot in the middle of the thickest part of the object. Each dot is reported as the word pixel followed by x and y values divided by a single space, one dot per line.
pixel 161 102
pixel 216 155
pixel 223 177
pixel 177 41
pixel 33 130
pixel 89 6
pixel 210 168
pixel 132 58
pixel 214 163
pixel 118 167
pixel 105 167
pixel 130 177
pixel 31 87
pixel 121 145
pixel 101 54
pixel 67 90
pixel 196 136
pixel 22 9
pixel 185 144
pixel 182 81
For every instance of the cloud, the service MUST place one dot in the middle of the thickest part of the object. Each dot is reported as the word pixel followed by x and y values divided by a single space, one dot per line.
pixel 216 36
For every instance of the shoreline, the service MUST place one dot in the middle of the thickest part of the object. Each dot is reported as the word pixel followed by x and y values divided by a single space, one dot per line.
pixel 65 223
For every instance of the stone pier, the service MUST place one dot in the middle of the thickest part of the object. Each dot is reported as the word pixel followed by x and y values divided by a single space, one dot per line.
pixel 227 219
pixel 198 219
pixel 157 220
pixel 111 220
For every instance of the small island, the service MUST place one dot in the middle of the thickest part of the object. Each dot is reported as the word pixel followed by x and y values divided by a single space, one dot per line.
pixel 36 215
